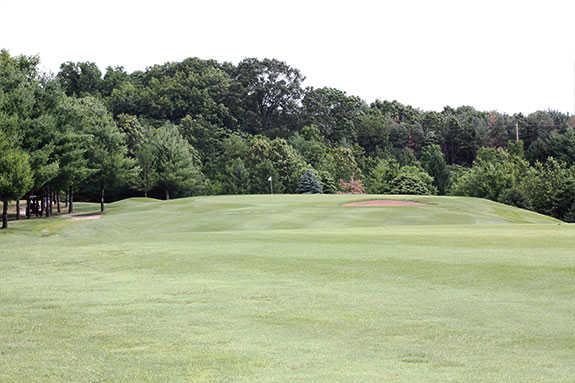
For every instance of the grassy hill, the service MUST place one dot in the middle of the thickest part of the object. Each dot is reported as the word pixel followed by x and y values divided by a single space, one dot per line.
pixel 289 288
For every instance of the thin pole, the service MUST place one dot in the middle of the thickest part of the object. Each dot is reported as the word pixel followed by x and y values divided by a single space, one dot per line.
pixel 516 131
pixel 271 185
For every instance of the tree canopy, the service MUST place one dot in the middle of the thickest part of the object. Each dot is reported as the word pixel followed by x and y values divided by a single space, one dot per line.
pixel 205 127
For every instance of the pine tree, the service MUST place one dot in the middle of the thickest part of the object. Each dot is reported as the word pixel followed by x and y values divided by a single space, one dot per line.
pixel 177 162
pixel 309 184
pixel 434 164
pixel 15 175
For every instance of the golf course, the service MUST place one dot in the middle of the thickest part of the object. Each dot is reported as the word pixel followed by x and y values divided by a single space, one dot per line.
pixel 289 288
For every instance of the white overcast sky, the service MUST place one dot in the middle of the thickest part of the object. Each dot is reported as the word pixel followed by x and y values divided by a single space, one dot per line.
pixel 511 56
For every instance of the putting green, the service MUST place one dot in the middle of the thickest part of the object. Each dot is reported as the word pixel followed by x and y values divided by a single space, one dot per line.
pixel 289 288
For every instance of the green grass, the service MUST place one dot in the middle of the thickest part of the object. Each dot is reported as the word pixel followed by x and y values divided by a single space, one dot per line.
pixel 289 289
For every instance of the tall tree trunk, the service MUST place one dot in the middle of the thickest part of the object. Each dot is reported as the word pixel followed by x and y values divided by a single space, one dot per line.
pixel 5 214
pixel 17 208
pixel 28 202
pixel 167 194
pixel 48 203
pixel 42 202
pixel 102 200
pixel 70 200
pixel 58 202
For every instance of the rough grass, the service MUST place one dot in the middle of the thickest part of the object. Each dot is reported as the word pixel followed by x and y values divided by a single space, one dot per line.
pixel 289 288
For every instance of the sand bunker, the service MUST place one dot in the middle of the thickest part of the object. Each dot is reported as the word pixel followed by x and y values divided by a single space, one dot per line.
pixel 86 217
pixel 384 202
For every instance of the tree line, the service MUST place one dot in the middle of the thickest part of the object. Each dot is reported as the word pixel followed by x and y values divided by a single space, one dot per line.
pixel 205 127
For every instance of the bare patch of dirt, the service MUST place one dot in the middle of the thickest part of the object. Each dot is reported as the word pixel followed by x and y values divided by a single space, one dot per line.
pixel 383 202
pixel 85 217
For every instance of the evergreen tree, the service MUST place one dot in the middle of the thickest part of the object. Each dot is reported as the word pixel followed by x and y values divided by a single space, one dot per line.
pixel 433 161
pixel 106 154
pixel 382 176
pixel 236 178
pixel 177 162
pixel 15 175
pixel 309 183
pixel 328 183
pixel 146 157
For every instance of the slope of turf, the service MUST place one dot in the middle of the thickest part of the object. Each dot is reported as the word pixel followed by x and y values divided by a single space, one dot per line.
pixel 289 288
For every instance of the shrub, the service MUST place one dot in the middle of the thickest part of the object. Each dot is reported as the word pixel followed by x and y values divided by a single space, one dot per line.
pixel 550 188
pixel 352 186
pixel 412 180
pixel 495 175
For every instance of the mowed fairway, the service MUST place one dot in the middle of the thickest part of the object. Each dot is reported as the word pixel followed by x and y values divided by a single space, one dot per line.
pixel 289 289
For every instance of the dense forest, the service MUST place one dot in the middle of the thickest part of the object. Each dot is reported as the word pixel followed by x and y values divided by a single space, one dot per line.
pixel 204 127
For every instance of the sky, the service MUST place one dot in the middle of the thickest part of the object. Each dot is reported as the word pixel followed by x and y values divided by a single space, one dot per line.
pixel 506 55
